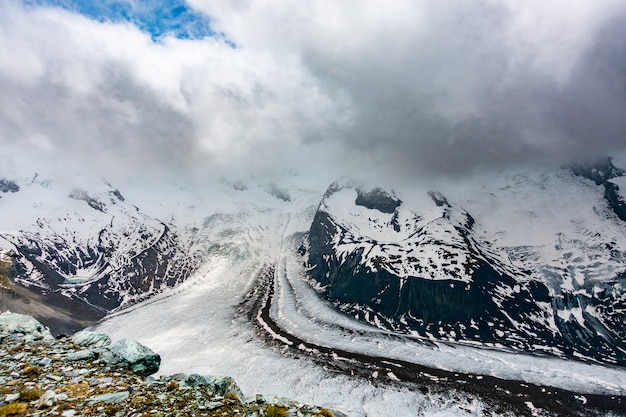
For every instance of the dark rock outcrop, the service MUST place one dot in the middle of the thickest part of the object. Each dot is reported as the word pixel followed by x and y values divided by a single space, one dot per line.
pixel 8 186
pixel 601 172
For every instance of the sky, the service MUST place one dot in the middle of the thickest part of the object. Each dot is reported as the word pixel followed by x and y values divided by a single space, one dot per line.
pixel 403 89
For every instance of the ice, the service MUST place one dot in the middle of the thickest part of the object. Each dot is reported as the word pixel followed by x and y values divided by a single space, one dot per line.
pixel 194 330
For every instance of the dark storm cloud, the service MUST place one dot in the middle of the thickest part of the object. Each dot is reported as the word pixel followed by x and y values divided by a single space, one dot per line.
pixel 464 96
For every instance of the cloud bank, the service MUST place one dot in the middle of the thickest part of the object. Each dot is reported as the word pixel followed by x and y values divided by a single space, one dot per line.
pixel 407 89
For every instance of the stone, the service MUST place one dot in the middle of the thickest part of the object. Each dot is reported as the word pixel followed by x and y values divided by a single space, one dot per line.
pixel 9 398
pixel 68 413
pixel 115 397
pixel 89 339
pixel 23 327
pixel 54 377
pixel 220 385
pixel 278 401
pixel 137 357
pixel 105 356
pixel 81 355
pixel 213 405
pixel 45 362
pixel 47 399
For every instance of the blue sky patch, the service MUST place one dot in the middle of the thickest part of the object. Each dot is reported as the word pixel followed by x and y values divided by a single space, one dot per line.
pixel 159 18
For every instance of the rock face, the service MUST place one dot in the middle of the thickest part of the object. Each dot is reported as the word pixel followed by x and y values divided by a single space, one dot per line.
pixel 429 273
pixel 601 172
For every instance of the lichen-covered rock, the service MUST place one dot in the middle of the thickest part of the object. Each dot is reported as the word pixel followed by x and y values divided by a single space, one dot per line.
pixel 114 397
pixel 23 326
pixel 137 357
pixel 88 339
pixel 220 385
pixel 81 355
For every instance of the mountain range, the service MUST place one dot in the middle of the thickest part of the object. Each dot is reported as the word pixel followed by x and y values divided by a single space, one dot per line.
pixel 531 263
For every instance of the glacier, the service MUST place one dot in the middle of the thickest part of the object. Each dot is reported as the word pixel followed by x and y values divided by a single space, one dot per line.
pixel 247 237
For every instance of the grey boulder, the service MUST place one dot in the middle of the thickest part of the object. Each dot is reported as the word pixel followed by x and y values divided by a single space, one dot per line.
pixel 20 325
pixel 88 339
pixel 135 357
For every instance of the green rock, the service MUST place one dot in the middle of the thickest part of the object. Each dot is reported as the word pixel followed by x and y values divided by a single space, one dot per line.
pixel 20 324
pixel 115 397
pixel 86 338
pixel 137 357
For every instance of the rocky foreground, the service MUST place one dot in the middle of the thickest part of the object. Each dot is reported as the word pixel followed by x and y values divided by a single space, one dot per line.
pixel 87 375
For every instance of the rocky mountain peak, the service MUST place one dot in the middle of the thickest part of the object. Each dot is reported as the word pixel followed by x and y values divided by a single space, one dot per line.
pixel 598 171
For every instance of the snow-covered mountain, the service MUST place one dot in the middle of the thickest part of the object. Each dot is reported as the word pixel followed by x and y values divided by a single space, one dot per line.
pixel 212 278
pixel 530 263
pixel 88 250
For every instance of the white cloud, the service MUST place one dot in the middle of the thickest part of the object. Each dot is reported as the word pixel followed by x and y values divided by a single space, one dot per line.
pixel 402 87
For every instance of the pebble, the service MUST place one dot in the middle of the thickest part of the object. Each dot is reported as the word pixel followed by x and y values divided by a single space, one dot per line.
pixel 115 397
pixel 9 398
pixel 47 400
pixel 81 355
pixel 45 362
pixel 213 405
